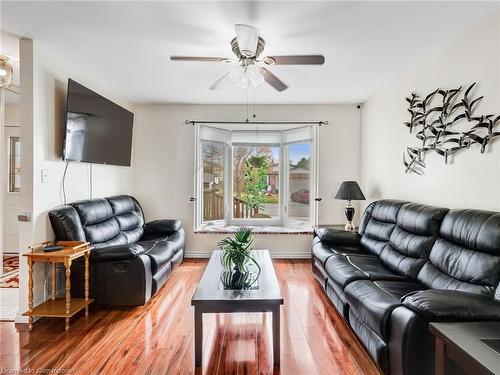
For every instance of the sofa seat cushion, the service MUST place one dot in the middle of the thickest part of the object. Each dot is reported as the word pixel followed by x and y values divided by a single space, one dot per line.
pixel 399 289
pixel 373 303
pixel 321 251
pixel 154 237
pixel 349 250
pixel 160 254
pixel 373 268
pixel 162 251
pixel 342 272
pixel 119 252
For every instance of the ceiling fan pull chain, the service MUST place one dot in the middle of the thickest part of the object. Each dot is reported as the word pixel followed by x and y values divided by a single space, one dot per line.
pixel 254 115
pixel 247 104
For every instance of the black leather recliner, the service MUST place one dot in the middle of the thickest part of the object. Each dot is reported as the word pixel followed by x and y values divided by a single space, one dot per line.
pixel 131 260
pixel 409 265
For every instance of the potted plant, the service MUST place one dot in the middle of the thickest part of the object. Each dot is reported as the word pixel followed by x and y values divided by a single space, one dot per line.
pixel 236 255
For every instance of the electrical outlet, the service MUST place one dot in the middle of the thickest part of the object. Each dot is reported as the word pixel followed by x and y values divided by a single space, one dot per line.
pixel 45 176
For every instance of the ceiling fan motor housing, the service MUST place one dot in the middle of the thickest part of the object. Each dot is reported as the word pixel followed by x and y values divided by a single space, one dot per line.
pixel 245 55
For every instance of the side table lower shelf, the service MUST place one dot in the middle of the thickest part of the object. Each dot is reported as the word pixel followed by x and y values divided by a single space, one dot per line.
pixel 57 308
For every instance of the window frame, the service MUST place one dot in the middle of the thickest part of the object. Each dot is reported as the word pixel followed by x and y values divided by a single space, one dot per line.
pixel 12 140
pixel 284 170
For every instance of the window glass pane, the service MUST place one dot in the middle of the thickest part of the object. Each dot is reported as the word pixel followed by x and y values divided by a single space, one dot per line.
pixel 213 180
pixel 299 155
pixel 14 165
pixel 256 182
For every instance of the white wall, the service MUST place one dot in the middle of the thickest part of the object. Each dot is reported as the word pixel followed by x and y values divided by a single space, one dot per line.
pixel 472 179
pixel 164 156
pixel 44 79
pixel 12 115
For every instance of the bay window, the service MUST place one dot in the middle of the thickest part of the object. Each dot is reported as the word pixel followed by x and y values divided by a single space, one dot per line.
pixel 255 177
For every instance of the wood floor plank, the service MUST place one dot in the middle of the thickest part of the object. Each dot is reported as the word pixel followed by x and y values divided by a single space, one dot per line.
pixel 158 338
pixel 247 346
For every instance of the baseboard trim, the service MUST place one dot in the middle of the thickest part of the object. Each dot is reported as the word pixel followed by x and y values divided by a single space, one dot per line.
pixel 22 319
pixel 275 255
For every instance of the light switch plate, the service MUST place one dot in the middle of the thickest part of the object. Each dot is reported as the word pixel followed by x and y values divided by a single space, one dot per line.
pixel 45 176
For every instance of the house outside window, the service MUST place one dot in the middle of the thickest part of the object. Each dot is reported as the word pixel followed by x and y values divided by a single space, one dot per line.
pixel 256 177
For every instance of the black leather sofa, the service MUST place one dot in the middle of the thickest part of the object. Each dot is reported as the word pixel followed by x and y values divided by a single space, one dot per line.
pixel 409 265
pixel 131 259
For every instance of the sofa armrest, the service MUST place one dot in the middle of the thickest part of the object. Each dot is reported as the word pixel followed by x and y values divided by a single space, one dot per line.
pixel 336 237
pixel 164 226
pixel 114 253
pixel 448 305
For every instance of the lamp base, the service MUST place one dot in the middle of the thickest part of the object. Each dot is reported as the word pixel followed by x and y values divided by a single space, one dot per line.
pixel 350 226
pixel 349 214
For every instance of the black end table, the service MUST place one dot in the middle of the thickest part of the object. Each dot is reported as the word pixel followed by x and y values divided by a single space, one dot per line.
pixel 474 347
pixel 211 297
pixel 340 227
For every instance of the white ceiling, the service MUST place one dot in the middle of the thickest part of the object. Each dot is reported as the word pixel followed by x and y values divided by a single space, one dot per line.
pixel 127 45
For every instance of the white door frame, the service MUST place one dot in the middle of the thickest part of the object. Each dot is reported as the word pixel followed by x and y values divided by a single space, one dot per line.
pixel 16 90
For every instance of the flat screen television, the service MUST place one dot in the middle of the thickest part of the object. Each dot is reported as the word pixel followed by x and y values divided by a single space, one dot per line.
pixel 97 130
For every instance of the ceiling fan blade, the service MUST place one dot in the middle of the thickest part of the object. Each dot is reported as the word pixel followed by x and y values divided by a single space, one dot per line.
pixel 217 84
pixel 273 80
pixel 200 58
pixel 247 37
pixel 295 60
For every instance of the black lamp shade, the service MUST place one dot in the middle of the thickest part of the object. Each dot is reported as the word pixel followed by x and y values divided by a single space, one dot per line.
pixel 350 191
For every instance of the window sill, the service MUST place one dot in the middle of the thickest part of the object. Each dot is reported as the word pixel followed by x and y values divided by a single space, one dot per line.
pixel 223 228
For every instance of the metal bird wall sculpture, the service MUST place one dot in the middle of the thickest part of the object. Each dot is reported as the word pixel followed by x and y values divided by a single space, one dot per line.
pixel 445 123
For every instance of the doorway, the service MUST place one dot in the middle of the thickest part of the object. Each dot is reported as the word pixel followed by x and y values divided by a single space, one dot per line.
pixel 10 192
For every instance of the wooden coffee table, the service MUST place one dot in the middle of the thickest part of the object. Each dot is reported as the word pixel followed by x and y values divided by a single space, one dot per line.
pixel 211 297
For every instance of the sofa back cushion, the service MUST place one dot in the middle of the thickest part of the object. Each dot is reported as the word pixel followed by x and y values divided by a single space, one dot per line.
pixel 128 213
pixel 466 256
pixel 410 243
pixel 103 222
pixel 377 224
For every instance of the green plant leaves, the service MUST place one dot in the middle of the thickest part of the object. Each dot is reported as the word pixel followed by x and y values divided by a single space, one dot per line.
pixel 236 251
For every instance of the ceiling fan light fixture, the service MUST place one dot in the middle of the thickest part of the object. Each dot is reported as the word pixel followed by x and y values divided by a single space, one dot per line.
pixel 254 75
pixel 6 72
pixel 269 60
pixel 247 37
pixel 239 76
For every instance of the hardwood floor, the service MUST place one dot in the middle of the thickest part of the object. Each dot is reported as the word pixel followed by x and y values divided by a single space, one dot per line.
pixel 158 338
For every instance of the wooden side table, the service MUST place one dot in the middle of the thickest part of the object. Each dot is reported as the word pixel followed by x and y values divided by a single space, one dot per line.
pixel 55 307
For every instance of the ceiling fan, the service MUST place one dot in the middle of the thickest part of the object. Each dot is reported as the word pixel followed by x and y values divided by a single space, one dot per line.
pixel 247 67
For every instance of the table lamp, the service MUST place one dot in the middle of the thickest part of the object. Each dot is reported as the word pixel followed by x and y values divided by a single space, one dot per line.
pixel 349 191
